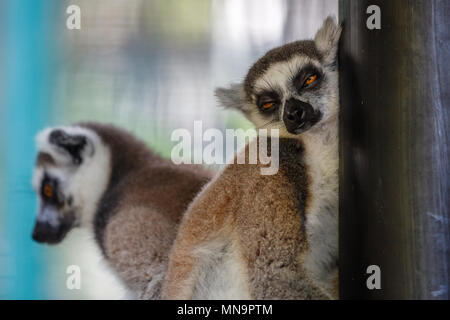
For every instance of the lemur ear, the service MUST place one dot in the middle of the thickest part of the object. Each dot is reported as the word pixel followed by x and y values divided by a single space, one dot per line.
pixel 232 97
pixel 327 39
pixel 74 144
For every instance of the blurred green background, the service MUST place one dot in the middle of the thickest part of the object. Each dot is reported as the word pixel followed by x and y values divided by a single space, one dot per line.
pixel 147 66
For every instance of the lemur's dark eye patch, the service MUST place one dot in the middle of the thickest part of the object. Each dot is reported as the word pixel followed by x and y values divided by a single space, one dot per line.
pixel 307 77
pixel 268 101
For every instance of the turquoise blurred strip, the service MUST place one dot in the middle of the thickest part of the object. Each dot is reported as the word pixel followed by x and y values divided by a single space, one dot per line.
pixel 27 57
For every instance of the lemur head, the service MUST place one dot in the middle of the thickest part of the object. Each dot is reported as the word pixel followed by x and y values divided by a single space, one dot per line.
pixel 70 176
pixel 293 88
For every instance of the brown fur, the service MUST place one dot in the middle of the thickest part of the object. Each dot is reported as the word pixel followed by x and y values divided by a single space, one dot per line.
pixel 278 75
pixel 261 217
pixel 138 215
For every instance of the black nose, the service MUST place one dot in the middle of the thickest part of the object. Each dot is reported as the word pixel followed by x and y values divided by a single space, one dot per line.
pixel 299 116
pixel 45 233
pixel 295 114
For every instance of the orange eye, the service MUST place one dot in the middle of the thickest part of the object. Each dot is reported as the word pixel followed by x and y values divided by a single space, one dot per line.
pixel 268 105
pixel 48 191
pixel 310 79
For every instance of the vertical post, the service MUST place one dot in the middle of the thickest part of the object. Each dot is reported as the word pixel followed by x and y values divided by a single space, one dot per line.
pixel 394 151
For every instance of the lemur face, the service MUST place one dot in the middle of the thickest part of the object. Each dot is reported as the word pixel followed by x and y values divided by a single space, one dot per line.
pixel 70 176
pixel 292 88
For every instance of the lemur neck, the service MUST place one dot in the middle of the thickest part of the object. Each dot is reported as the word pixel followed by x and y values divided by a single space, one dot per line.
pixel 322 161
pixel 321 144
pixel 321 158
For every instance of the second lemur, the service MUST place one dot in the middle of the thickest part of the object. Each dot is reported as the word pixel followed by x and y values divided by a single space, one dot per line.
pixel 102 178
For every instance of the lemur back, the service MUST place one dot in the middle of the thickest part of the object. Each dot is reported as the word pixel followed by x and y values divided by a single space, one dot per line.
pixel 137 219
pixel 244 236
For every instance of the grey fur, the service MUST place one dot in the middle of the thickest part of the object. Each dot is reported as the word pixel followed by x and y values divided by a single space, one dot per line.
pixel 231 97
pixel 327 39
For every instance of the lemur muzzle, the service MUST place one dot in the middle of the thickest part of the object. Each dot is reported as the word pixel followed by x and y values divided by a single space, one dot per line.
pixel 299 116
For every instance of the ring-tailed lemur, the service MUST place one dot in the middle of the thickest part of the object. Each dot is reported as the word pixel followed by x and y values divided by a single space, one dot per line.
pixel 253 236
pixel 100 177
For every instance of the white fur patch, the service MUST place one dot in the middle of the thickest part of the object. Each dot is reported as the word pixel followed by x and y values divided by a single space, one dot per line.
pixel 221 274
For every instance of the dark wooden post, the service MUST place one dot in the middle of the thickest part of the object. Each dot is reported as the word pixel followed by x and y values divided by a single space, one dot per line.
pixel 394 149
